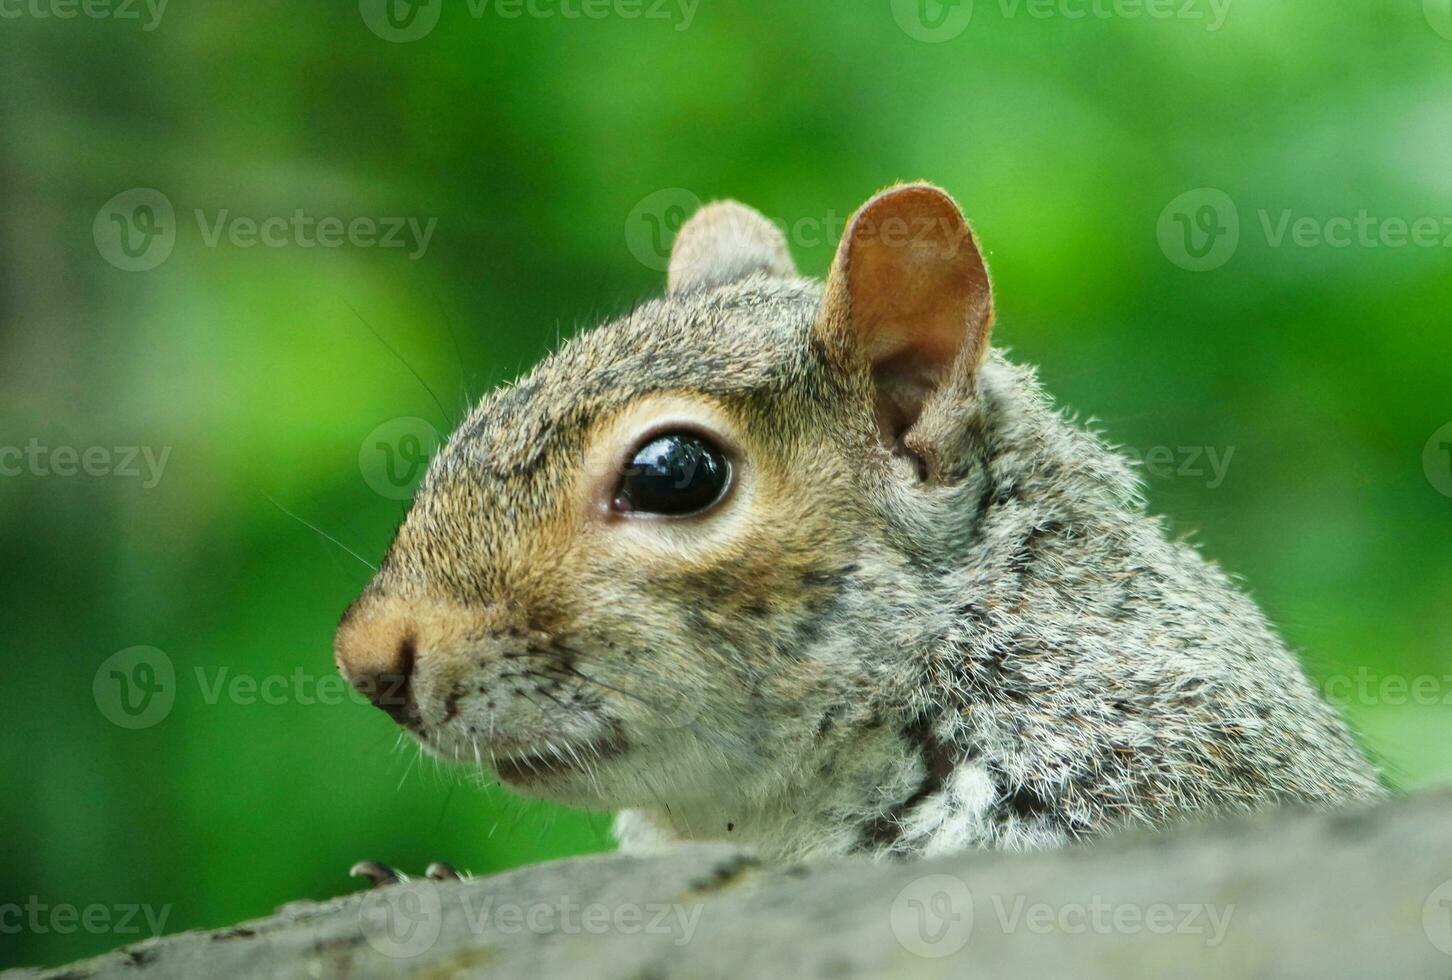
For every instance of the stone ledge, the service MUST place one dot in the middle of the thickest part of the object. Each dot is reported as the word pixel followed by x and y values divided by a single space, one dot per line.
pixel 1362 893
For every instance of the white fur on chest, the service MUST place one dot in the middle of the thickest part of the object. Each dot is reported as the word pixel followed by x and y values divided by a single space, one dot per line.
pixel 953 819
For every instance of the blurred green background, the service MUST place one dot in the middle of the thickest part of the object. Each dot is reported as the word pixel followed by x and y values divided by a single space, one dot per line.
pixel 551 151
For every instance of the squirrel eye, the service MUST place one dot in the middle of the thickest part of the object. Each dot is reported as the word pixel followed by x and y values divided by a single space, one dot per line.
pixel 675 474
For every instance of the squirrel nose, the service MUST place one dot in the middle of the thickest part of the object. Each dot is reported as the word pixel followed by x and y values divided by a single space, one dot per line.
pixel 378 659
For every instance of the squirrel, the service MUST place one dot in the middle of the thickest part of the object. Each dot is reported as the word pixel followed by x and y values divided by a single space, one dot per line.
pixel 813 568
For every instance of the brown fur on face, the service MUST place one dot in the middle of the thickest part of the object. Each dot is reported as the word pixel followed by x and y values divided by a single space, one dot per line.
pixel 544 623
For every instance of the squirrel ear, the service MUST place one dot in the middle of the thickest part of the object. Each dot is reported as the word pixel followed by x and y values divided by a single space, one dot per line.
pixel 723 242
pixel 908 299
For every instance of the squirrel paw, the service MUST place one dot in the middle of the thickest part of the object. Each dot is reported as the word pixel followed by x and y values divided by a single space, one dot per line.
pixel 379 874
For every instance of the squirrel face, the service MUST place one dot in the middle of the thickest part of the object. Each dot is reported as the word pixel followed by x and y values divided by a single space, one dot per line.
pixel 647 573
pixel 811 563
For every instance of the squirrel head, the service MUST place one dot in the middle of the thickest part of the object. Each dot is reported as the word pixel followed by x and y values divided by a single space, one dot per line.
pixel 693 548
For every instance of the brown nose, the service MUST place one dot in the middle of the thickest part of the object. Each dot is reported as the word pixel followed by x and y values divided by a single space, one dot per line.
pixel 377 657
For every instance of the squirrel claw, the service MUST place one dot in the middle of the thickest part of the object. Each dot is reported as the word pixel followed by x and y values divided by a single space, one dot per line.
pixel 378 874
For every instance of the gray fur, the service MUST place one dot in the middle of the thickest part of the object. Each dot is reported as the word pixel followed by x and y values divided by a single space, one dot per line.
pixel 1014 655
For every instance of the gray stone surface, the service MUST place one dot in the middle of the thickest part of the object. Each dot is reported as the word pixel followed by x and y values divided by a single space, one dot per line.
pixel 1356 894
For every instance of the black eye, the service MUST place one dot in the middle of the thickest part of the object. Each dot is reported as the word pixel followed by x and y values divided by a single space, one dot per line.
pixel 674 474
